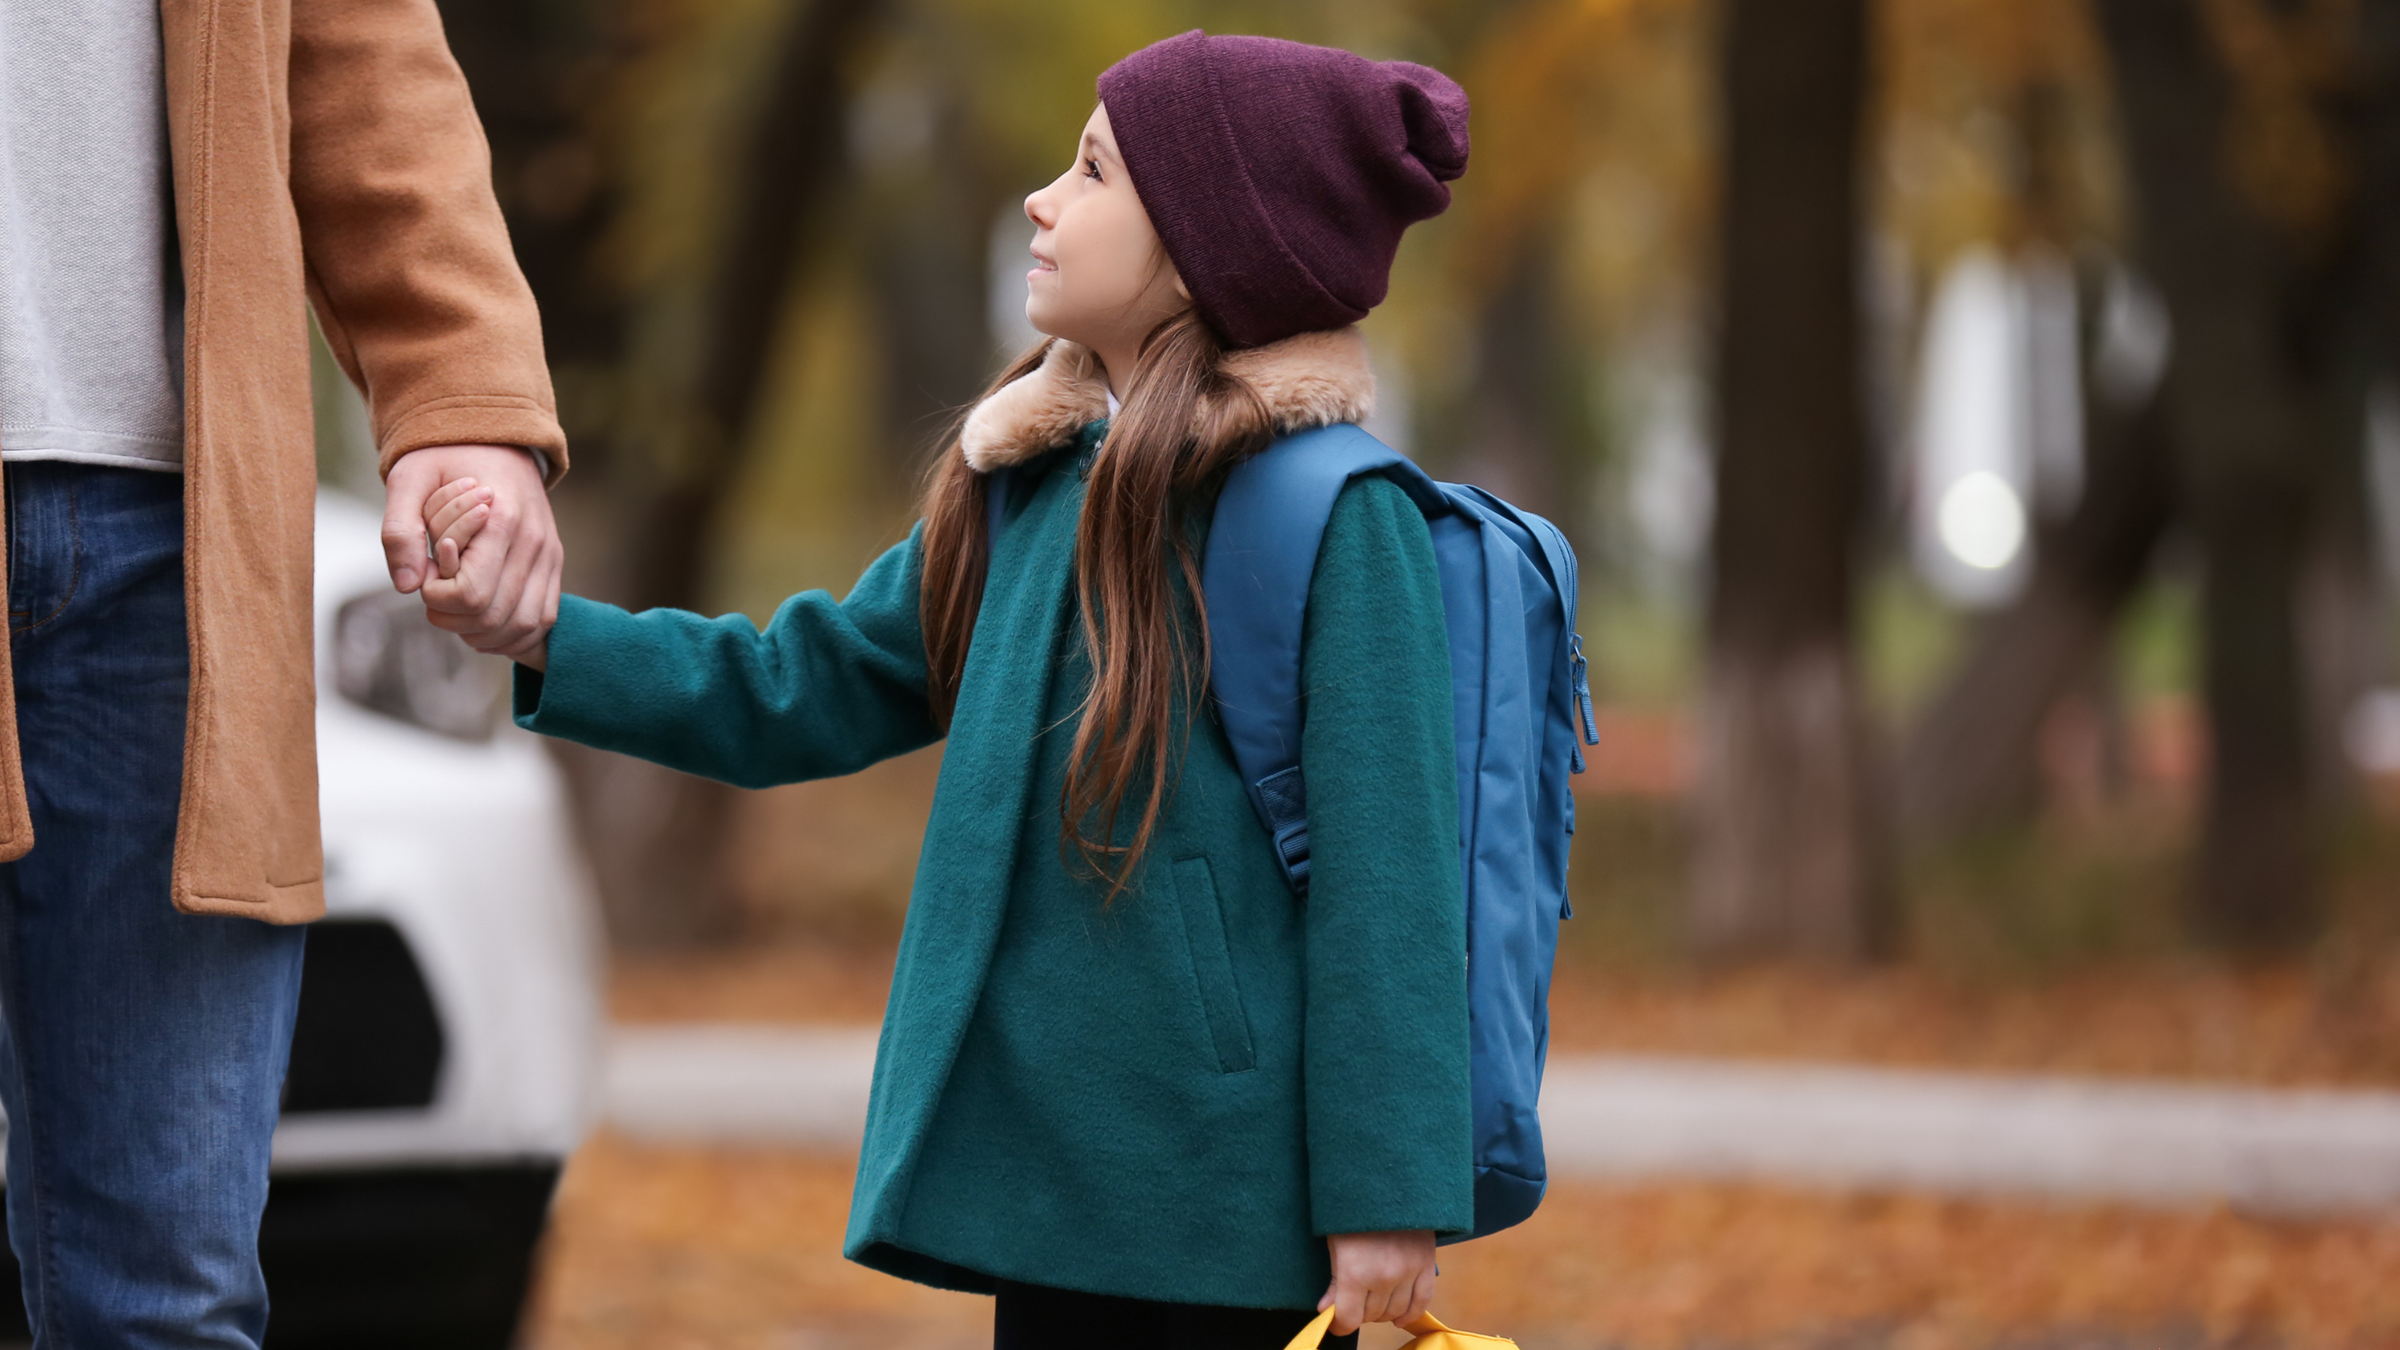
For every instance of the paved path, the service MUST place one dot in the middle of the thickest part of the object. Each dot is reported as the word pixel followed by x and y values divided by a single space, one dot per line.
pixel 1627 1117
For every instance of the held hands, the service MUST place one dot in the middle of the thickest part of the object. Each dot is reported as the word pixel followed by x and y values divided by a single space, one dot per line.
pixel 455 514
pixel 1379 1277
pixel 492 572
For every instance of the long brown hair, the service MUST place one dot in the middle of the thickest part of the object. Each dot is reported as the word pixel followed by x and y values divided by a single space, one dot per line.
pixel 1185 421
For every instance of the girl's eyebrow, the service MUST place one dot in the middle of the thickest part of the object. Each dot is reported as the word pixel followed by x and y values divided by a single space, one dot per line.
pixel 1093 145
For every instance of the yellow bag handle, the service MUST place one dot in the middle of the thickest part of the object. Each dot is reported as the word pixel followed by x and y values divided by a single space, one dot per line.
pixel 1430 1335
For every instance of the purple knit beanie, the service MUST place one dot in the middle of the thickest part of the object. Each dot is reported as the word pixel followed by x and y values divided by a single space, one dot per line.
pixel 1280 175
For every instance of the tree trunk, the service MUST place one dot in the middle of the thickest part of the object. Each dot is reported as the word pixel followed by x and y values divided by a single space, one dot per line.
pixel 930 256
pixel 1971 758
pixel 658 838
pixel 2239 410
pixel 1515 438
pixel 2379 175
pixel 2379 195
pixel 1788 856
pixel 794 166
pixel 535 70
pixel 532 69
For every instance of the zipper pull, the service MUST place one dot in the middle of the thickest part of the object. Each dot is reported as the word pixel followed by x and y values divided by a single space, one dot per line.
pixel 1579 671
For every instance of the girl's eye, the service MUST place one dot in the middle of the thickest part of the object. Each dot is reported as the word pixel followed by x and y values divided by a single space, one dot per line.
pixel 1091 168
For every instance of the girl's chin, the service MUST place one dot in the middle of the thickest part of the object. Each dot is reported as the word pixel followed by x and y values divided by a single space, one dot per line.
pixel 1042 319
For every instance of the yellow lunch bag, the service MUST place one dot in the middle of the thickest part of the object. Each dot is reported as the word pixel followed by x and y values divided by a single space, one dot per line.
pixel 1430 1335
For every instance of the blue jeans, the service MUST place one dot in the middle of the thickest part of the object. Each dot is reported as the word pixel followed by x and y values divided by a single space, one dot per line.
pixel 144 1049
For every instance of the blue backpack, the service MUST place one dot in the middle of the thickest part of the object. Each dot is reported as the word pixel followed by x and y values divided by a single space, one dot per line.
pixel 1518 684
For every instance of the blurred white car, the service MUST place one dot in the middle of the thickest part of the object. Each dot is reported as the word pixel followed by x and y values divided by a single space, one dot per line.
pixel 447 1055
pixel 446 1058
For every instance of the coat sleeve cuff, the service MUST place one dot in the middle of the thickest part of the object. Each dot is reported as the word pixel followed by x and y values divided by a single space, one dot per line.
pixel 533 704
pixel 1394 1210
pixel 525 697
pixel 494 420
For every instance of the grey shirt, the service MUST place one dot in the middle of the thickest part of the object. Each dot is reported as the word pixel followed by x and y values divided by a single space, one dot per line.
pixel 91 321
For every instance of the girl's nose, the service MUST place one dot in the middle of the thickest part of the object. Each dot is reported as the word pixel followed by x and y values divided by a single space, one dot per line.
pixel 1035 212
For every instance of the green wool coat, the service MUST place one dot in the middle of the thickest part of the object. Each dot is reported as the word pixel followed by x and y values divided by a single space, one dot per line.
pixel 1175 1096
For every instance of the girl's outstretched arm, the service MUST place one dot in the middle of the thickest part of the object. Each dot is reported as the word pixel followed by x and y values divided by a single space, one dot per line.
pixel 824 689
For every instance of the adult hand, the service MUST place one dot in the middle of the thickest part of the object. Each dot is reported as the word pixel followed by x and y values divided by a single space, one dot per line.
pixel 1379 1277
pixel 505 595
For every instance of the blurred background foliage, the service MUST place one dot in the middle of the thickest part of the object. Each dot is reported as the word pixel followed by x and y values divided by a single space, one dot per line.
pixel 2134 254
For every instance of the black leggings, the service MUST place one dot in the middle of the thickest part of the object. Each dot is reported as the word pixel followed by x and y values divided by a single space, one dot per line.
pixel 1034 1317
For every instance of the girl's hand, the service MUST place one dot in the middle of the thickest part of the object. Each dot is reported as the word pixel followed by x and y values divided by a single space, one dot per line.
pixel 1379 1277
pixel 454 515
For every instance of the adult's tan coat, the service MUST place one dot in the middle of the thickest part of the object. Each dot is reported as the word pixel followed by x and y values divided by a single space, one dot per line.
pixel 325 152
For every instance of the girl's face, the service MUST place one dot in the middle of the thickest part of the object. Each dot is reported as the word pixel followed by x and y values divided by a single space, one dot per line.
pixel 1101 278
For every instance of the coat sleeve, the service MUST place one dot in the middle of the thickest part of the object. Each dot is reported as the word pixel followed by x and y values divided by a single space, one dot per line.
pixel 1390 1115
pixel 409 264
pixel 824 689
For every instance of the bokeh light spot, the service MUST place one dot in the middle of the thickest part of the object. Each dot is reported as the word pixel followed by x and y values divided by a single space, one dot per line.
pixel 1982 521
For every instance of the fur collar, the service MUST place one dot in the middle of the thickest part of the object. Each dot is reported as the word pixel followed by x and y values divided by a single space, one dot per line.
pixel 1313 380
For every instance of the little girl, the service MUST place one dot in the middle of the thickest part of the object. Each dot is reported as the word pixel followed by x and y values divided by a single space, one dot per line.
pixel 1127 1082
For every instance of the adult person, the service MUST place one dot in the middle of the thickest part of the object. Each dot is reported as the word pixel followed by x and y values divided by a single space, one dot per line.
pixel 179 182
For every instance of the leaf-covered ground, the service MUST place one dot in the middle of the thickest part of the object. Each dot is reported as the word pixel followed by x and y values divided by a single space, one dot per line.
pixel 700 1249
pixel 2056 948
pixel 2316 1022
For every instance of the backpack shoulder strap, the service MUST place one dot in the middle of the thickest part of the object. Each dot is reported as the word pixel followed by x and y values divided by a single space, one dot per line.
pixel 1255 572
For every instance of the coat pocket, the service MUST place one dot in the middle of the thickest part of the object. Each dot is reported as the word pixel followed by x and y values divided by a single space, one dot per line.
pixel 1212 965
